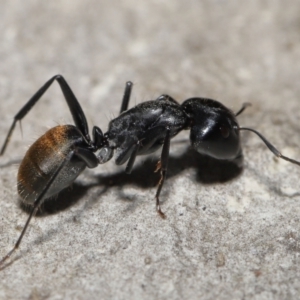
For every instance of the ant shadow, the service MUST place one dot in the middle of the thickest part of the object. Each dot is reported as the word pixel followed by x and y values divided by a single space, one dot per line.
pixel 208 171
pixel 63 201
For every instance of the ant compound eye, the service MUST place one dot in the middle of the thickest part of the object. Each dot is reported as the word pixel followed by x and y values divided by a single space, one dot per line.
pixel 224 131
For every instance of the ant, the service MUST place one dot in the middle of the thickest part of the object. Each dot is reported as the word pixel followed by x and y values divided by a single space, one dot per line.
pixel 56 159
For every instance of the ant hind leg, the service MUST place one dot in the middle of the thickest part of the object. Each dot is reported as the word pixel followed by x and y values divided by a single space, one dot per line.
pixel 74 106
pixel 35 207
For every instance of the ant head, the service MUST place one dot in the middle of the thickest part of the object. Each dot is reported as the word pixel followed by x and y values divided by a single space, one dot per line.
pixel 214 129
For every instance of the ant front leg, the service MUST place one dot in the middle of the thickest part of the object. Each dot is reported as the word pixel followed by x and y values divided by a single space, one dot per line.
pixel 74 106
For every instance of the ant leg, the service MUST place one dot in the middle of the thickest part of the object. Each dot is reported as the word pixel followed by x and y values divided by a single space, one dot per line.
pixel 244 106
pixel 158 133
pixel 271 147
pixel 162 166
pixel 132 157
pixel 17 244
pixel 87 156
pixel 35 208
pixel 74 106
pixel 126 96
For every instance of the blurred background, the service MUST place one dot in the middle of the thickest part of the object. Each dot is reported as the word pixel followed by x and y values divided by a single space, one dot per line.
pixel 239 239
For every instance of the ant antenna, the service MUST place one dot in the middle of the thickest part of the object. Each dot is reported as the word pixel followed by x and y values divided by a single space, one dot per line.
pixel 244 106
pixel 271 147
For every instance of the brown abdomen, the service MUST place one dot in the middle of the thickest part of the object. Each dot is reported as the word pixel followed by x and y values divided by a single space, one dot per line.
pixel 44 157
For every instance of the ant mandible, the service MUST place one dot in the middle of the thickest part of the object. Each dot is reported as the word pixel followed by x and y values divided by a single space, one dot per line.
pixel 56 159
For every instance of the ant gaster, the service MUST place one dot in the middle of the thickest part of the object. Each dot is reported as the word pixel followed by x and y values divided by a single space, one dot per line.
pixel 55 160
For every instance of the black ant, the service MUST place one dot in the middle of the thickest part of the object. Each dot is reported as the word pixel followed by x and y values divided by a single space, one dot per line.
pixel 55 160
pixel 143 129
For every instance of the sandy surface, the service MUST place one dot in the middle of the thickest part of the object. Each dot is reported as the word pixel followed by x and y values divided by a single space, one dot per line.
pixel 229 233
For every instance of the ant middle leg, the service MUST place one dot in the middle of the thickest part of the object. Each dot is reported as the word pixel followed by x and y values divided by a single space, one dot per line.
pixel 74 106
pixel 132 157
pixel 162 167
pixel 159 133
